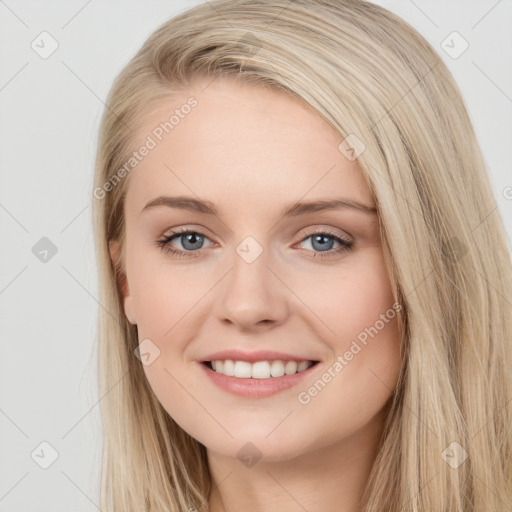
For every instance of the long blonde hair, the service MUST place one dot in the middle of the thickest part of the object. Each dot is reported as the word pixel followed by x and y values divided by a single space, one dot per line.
pixel 378 82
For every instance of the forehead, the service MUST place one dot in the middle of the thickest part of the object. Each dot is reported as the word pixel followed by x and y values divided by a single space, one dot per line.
pixel 251 141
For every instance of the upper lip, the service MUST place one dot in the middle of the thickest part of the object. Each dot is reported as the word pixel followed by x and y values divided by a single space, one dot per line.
pixel 253 357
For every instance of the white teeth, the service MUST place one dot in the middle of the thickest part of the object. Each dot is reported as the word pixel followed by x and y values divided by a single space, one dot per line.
pixel 228 368
pixel 302 366
pixel 290 368
pixel 260 369
pixel 243 369
pixel 277 369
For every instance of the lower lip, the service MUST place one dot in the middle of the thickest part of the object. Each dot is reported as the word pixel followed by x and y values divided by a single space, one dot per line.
pixel 255 388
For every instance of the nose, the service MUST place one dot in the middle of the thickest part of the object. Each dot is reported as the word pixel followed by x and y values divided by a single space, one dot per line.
pixel 252 296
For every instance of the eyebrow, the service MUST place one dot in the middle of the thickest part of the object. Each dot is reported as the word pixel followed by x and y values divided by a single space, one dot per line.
pixel 293 210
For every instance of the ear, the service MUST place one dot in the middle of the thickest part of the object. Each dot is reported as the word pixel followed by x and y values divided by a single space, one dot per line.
pixel 115 255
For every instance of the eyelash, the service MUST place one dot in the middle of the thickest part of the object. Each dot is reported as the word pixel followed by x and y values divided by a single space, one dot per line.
pixel 164 244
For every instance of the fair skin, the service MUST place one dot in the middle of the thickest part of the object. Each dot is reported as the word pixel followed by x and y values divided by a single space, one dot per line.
pixel 252 152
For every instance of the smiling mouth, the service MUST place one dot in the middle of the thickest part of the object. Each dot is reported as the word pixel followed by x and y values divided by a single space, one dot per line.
pixel 259 369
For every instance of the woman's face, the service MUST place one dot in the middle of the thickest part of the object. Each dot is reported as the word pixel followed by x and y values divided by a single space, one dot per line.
pixel 310 284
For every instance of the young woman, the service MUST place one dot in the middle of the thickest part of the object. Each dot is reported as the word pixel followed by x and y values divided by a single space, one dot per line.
pixel 306 285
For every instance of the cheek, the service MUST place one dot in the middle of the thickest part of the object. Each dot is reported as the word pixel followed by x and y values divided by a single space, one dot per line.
pixel 348 299
pixel 162 294
pixel 355 317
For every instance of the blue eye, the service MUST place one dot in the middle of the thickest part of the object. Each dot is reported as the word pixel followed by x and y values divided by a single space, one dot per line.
pixel 192 242
pixel 323 241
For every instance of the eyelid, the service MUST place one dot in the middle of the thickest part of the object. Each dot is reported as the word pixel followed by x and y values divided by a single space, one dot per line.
pixel 185 228
pixel 330 231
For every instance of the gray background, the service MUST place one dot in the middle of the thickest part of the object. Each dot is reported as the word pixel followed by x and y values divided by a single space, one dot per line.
pixel 50 111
